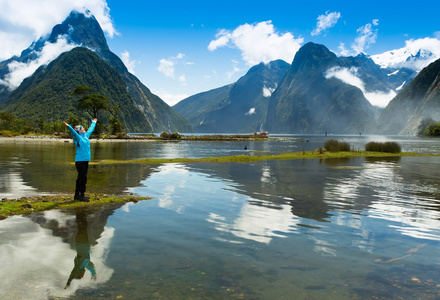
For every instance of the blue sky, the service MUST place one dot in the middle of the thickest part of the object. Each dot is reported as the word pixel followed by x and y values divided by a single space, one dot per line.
pixel 180 48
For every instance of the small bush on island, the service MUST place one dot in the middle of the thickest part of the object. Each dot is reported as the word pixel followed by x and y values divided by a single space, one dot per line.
pixel 388 147
pixel 170 136
pixel 336 146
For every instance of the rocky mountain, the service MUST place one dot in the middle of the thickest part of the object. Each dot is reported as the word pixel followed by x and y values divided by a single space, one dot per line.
pixel 321 92
pixel 196 108
pixel 84 31
pixel 53 84
pixel 309 100
pixel 418 101
pixel 239 107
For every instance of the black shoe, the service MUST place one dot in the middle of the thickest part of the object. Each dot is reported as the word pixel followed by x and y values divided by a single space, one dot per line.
pixel 83 198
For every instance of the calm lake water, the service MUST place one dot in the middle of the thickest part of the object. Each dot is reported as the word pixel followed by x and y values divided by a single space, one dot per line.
pixel 302 229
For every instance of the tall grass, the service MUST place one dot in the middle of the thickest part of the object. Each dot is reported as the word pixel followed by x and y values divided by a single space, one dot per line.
pixel 336 146
pixel 389 147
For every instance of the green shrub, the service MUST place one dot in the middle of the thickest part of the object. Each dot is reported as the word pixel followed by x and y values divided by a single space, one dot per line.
pixel 389 147
pixel 429 127
pixel 8 133
pixel 432 129
pixel 336 146
pixel 116 126
pixel 170 136
pixel 26 129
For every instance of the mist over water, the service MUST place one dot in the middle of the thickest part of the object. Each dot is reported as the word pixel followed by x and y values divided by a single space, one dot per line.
pixel 299 229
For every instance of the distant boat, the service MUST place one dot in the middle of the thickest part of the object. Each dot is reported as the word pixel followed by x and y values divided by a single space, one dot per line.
pixel 262 132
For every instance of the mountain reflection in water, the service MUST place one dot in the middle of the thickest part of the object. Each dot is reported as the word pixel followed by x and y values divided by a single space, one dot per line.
pixel 301 229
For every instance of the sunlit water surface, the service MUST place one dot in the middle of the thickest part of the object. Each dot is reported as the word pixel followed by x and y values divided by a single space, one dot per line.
pixel 301 229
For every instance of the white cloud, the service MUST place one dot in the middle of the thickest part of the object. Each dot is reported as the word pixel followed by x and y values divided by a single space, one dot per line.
pixel 267 92
pixel 167 66
pixel 250 112
pixel 223 38
pixel 380 99
pixel 366 36
pixel 130 64
pixel 258 43
pixel 24 21
pixel 19 70
pixel 170 99
pixel 325 22
pixel 182 78
pixel 427 50
pixel 349 76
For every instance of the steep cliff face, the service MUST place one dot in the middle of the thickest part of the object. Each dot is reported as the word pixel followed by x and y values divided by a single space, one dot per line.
pixel 419 100
pixel 307 101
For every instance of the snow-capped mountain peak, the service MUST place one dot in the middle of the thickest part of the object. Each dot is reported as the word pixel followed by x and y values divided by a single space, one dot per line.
pixel 416 55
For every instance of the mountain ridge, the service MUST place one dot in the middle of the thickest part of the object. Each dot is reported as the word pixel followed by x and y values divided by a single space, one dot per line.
pixel 80 30
pixel 52 86
pixel 308 102
pixel 239 107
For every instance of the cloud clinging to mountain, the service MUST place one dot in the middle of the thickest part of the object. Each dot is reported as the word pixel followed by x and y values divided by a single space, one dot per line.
pixel 349 76
pixel 20 70
pixel 24 21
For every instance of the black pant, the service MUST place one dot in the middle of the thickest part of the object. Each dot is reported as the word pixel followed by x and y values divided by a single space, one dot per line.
pixel 82 168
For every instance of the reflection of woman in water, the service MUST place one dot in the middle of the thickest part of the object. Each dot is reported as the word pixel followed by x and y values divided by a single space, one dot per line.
pixel 82 246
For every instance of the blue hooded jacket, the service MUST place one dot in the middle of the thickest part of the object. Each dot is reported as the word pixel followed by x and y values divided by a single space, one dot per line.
pixel 82 143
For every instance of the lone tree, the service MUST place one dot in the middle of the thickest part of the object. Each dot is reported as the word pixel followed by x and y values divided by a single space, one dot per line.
pixel 91 103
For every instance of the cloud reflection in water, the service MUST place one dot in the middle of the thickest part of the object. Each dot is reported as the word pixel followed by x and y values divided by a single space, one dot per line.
pixel 36 263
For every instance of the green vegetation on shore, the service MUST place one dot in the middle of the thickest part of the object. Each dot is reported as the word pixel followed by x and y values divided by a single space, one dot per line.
pixel 27 205
pixel 429 127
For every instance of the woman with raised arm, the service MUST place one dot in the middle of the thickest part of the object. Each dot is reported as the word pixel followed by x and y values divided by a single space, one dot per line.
pixel 82 157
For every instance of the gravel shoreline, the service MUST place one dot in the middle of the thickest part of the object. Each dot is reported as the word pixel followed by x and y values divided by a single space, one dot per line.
pixel 135 138
pixel 16 139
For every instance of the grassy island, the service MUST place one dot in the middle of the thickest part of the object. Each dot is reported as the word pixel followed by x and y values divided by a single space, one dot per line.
pixel 254 158
pixel 27 205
